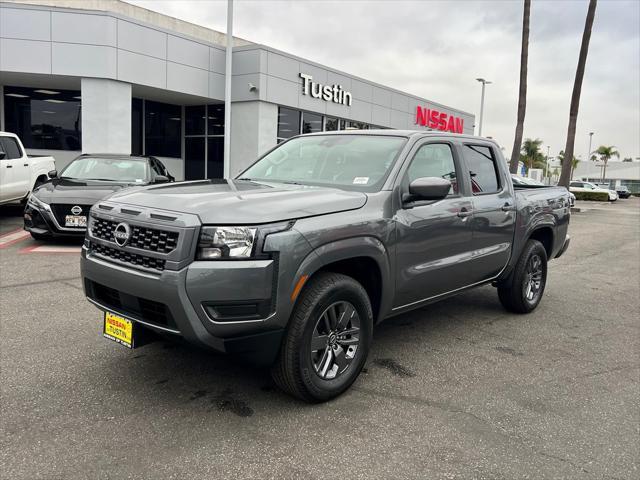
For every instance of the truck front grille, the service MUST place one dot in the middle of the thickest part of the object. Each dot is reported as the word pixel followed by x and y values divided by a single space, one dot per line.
pixel 150 239
pixel 127 257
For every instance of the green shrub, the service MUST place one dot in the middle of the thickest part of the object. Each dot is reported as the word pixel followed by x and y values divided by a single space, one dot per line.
pixel 594 196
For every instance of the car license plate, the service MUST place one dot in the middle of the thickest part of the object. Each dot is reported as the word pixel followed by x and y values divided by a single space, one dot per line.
pixel 75 221
pixel 118 329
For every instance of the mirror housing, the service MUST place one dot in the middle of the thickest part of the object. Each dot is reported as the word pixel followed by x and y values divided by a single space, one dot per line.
pixel 161 179
pixel 3 155
pixel 428 188
pixel 53 174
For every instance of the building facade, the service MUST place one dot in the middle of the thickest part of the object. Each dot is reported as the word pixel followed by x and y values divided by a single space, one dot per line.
pixel 114 78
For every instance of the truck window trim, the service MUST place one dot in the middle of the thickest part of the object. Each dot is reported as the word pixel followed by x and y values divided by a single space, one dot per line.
pixel 501 184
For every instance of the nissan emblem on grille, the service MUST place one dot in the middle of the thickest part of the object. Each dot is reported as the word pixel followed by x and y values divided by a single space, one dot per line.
pixel 76 209
pixel 121 234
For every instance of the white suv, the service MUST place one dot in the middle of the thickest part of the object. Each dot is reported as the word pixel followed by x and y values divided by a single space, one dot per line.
pixel 580 186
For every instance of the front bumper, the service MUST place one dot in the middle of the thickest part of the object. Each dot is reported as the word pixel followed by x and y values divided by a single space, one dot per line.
pixel 226 306
pixel 42 221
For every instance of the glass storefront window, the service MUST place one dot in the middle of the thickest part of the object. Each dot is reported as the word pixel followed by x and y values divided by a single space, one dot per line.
pixel 194 158
pixel 288 123
pixel 194 120
pixel 215 157
pixel 331 124
pixel 311 122
pixel 351 125
pixel 163 129
pixel 215 119
pixel 44 118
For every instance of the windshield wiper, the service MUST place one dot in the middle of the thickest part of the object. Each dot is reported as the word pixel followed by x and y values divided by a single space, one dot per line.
pixel 290 182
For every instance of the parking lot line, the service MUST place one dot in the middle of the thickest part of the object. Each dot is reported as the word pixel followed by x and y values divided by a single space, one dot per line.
pixel 8 239
pixel 51 249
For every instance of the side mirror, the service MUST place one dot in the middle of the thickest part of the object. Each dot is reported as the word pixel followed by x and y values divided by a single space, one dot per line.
pixel 53 174
pixel 3 155
pixel 428 188
pixel 161 179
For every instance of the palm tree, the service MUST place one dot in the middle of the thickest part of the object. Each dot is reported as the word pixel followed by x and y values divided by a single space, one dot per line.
pixel 531 155
pixel 605 153
pixel 565 176
pixel 574 162
pixel 522 97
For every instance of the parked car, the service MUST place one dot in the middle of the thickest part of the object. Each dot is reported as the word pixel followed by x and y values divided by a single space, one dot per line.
pixel 293 262
pixel 60 206
pixel 581 186
pixel 20 173
pixel 623 192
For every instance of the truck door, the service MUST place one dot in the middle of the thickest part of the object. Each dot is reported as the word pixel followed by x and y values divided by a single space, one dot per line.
pixel 15 170
pixel 433 238
pixel 493 209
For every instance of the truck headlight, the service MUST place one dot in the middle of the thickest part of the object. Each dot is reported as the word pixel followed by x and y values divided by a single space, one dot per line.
pixel 220 243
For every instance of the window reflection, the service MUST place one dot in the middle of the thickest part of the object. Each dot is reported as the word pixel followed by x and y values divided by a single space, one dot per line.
pixel 44 118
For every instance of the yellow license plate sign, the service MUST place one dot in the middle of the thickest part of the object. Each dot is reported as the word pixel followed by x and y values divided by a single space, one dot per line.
pixel 118 329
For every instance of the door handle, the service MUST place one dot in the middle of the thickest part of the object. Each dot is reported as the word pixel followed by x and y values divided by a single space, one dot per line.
pixel 25 164
pixel 9 166
pixel 464 212
pixel 506 207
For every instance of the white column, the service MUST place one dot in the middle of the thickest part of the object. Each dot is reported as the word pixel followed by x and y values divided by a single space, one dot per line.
pixel 106 116
pixel 258 122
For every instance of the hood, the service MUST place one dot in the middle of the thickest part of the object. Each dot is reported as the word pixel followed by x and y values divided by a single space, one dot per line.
pixel 82 192
pixel 237 202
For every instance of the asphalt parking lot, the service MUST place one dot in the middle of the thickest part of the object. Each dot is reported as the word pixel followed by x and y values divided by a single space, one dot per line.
pixel 459 389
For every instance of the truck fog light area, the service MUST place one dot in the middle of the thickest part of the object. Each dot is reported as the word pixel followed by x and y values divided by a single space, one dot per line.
pixel 219 243
pixel 209 253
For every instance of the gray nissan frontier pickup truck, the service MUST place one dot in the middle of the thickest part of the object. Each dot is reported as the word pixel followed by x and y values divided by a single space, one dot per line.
pixel 294 262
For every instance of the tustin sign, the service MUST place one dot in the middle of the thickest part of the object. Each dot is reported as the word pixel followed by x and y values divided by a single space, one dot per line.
pixel 439 120
pixel 329 93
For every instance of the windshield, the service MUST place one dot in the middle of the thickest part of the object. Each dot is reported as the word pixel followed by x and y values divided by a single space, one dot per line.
pixel 353 162
pixel 126 170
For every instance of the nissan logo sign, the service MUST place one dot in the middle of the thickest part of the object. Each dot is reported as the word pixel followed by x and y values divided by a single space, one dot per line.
pixel 76 209
pixel 122 233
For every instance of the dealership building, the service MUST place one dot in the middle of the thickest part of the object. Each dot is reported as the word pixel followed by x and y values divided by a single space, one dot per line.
pixel 111 77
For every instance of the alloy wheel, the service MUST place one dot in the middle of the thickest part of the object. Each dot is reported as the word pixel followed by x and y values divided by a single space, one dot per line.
pixel 335 340
pixel 532 284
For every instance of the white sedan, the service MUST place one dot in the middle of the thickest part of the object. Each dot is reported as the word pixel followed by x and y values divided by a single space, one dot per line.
pixel 580 186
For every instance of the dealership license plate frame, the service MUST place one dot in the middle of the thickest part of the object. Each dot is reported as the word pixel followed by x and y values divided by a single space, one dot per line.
pixel 77 221
pixel 119 329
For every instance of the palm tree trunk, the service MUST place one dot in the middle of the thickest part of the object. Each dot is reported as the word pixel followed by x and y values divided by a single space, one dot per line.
pixel 522 96
pixel 575 96
pixel 604 169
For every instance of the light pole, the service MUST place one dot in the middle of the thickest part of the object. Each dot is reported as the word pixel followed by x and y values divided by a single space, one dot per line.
pixel 547 165
pixel 227 91
pixel 484 83
pixel 589 154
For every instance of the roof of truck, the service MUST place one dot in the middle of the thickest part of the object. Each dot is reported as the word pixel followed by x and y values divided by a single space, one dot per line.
pixel 403 133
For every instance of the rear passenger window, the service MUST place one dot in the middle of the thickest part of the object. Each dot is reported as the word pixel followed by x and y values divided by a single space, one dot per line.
pixel 434 160
pixel 482 168
pixel 11 148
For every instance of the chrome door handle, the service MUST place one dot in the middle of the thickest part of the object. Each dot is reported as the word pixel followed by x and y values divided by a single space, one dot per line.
pixel 464 213
pixel 506 207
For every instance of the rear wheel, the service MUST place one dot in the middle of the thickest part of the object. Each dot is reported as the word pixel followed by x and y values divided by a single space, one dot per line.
pixel 523 292
pixel 327 341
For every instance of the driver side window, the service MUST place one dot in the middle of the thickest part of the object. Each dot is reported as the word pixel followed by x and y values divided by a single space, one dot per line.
pixel 434 160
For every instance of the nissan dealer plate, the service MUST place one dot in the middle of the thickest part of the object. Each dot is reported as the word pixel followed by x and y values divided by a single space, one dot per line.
pixel 75 221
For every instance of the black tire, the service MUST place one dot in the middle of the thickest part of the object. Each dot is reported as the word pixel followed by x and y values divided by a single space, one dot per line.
pixel 514 295
pixel 39 237
pixel 294 370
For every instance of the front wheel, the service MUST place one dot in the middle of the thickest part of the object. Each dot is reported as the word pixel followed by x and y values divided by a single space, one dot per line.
pixel 327 341
pixel 523 292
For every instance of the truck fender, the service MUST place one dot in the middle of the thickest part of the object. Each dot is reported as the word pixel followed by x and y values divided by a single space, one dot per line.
pixel 345 249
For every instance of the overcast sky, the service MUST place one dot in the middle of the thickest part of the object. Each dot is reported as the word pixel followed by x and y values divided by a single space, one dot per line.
pixel 436 49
